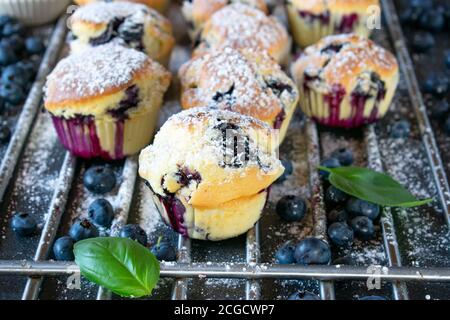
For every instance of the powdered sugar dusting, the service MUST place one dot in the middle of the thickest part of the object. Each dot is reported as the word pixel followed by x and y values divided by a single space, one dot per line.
pixel 103 12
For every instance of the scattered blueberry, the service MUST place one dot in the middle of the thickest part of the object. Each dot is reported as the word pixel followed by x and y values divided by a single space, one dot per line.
pixel 5 134
pixel 447 126
pixel 423 41
pixel 312 251
pixel 337 216
pixel 23 224
pixel 436 84
pixel 341 234
pixel 15 43
pixel 356 207
pixel 63 249
pixel 440 110
pixel 400 129
pixel 99 180
pixel 334 196
pixel 14 74
pixel 101 212
pixel 164 251
pixel 329 163
pixel 432 20
pixel 12 28
pixel 134 232
pixel 285 254
pixel 291 208
pixel 303 296
pixel 344 155
pixel 363 228
pixel 34 45
pixel 28 68
pixel 368 298
pixel 447 59
pixel 7 55
pixel 83 229
pixel 4 19
pixel 288 170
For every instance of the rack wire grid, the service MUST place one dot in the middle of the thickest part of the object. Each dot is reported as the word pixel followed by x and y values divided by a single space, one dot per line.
pixel 410 256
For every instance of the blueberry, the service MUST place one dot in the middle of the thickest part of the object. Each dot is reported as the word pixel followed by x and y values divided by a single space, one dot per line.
pixel 341 234
pixel 291 208
pixel 63 249
pixel 303 296
pixel 329 163
pixel 440 110
pixel 5 134
pixel 285 254
pixel 447 126
pixel 12 93
pixel 337 216
pixel 312 251
pixel 4 19
pixel 101 212
pixel 400 129
pixel 334 196
pixel 14 74
pixel 344 155
pixel 436 84
pixel 432 20
pixel 368 298
pixel 363 228
pixel 134 232
pixel 83 229
pixel 164 251
pixel 99 180
pixel 423 41
pixel 34 45
pixel 447 59
pixel 12 28
pixel 15 43
pixel 288 170
pixel 28 69
pixel 23 224
pixel 356 207
pixel 7 55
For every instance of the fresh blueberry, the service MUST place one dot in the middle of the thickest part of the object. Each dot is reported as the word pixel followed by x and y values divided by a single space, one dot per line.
pixel 356 207
pixel 363 228
pixel 28 68
pixel 285 254
pixel 432 20
pixel 400 129
pixel 291 208
pixel 307 296
pixel 12 93
pixel 341 234
pixel 15 42
pixel 34 45
pixel 312 251
pixel 5 134
pixel 7 55
pixel 14 74
pixel 344 155
pixel 440 110
pixel 23 224
pixel 4 19
pixel 288 170
pixel 334 196
pixel 101 212
pixel 447 59
pixel 83 229
pixel 99 180
pixel 447 126
pixel 134 232
pixel 12 28
pixel 368 298
pixel 423 42
pixel 164 251
pixel 337 216
pixel 329 163
pixel 63 249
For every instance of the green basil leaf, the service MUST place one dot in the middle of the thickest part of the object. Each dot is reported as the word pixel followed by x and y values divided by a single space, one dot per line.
pixel 372 186
pixel 119 264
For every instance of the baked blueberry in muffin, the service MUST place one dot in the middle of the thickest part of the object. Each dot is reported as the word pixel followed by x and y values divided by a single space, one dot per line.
pixel 160 5
pixel 311 20
pixel 131 24
pixel 209 171
pixel 197 12
pixel 105 101
pixel 244 81
pixel 346 81
pixel 241 26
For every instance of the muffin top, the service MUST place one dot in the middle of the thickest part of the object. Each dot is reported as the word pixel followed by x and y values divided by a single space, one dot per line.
pixel 98 72
pixel 244 81
pixel 214 155
pixel 318 6
pixel 339 59
pixel 241 26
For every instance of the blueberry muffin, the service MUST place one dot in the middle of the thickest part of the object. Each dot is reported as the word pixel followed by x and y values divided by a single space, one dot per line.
pixel 105 101
pixel 160 5
pixel 346 81
pixel 311 20
pixel 131 24
pixel 241 26
pixel 197 12
pixel 210 171
pixel 244 81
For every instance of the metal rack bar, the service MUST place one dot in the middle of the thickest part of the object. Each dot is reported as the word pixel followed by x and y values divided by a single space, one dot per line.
pixel 426 131
pixel 184 256
pixel 253 288
pixel 31 106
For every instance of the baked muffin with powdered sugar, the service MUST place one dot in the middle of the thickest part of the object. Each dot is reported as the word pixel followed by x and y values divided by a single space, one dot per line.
pixel 160 5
